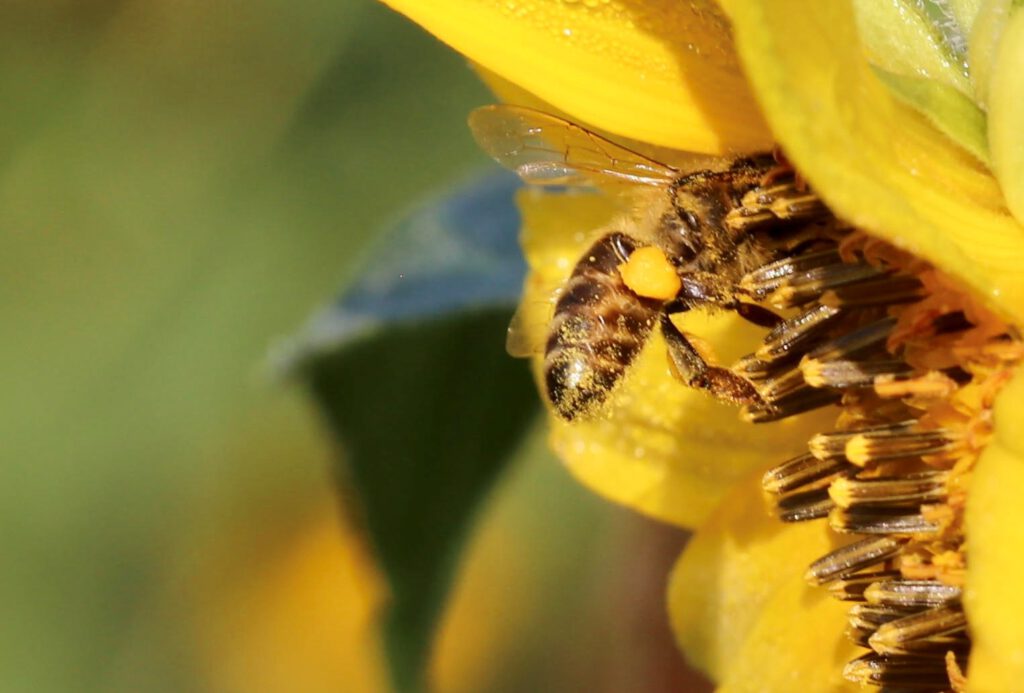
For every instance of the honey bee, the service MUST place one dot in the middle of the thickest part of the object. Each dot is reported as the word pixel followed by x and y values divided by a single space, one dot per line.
pixel 711 226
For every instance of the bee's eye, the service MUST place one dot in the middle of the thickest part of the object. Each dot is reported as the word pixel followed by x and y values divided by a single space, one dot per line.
pixel 683 231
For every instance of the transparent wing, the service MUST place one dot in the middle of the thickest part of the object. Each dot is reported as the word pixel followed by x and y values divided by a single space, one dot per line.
pixel 522 341
pixel 545 150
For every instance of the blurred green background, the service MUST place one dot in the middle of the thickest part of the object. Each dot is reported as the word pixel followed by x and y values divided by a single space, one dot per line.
pixel 181 184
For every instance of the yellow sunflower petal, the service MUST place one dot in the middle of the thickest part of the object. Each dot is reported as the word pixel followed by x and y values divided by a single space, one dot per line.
pixel 797 644
pixel 659 447
pixel 898 38
pixel 1006 113
pixel 995 527
pixel 730 570
pixel 965 12
pixel 876 161
pixel 985 34
pixel 663 72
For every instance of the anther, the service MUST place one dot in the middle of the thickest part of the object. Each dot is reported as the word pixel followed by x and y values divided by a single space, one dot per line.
pixel 852 558
pixel 851 588
pixel 798 402
pixel 794 334
pixel 923 487
pixel 880 521
pixel 896 445
pixel 852 374
pixel 912 593
pixel 801 471
pixel 800 506
pixel 871 616
pixel 854 342
pixel 934 629
pixel 765 279
pixel 833 445
pixel 802 287
pixel 885 291
pixel 932 384
pixel 906 673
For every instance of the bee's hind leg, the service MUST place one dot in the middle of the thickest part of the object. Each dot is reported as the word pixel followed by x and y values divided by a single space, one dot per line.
pixel 755 314
pixel 693 370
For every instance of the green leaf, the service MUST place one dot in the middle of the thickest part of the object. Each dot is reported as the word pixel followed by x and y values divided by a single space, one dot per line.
pixel 949 109
pixel 410 373
pixel 913 37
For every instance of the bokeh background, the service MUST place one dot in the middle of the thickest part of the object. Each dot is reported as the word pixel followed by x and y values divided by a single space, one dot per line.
pixel 181 184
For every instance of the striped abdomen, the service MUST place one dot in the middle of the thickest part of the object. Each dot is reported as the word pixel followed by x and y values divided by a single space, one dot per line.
pixel 597 331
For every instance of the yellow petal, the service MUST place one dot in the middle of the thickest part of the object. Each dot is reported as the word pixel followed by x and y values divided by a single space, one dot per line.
pixel 899 38
pixel 507 92
pixel 659 447
pixel 950 110
pixel 875 161
pixel 663 72
pixel 797 644
pixel 995 528
pixel 965 12
pixel 730 570
pixel 984 41
pixel 1006 113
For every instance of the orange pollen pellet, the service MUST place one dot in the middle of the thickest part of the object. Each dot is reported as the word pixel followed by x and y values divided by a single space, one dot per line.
pixel 648 273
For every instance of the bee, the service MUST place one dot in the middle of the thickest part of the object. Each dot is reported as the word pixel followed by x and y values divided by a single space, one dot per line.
pixel 710 227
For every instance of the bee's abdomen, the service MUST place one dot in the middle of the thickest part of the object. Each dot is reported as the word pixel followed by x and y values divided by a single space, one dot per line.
pixel 597 331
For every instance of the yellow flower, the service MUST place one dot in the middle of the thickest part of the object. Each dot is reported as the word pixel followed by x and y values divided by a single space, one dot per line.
pixel 874 105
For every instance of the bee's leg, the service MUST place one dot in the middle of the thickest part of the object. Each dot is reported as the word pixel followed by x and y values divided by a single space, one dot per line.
pixel 755 314
pixel 693 370
pixel 696 288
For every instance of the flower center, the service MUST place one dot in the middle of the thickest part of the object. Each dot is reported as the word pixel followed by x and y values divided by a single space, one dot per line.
pixel 914 364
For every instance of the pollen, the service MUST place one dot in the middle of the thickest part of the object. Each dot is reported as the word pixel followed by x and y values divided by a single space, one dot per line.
pixel 914 364
pixel 649 273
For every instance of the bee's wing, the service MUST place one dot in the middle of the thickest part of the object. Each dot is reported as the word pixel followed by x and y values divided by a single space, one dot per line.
pixel 522 342
pixel 545 150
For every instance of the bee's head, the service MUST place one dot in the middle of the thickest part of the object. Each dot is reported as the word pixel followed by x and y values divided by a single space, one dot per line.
pixel 681 231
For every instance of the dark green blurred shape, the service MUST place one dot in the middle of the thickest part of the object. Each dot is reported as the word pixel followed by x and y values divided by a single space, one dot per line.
pixel 453 413
pixel 179 183
pixel 408 369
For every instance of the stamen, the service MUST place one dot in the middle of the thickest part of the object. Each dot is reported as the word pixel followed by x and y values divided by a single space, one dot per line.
pixel 777 388
pixel 792 335
pixel 767 278
pixel 854 342
pixel 925 487
pixel 880 521
pixel 802 471
pixel 851 589
pixel 754 369
pixel 932 384
pixel 804 505
pixel 912 593
pixel 852 558
pixel 802 287
pixel 927 630
pixel 914 673
pixel 833 445
pixel 878 447
pixel 951 322
pixel 888 338
pixel 886 291
pixel 871 616
pixel 802 400
pixel 771 204
pixel 841 374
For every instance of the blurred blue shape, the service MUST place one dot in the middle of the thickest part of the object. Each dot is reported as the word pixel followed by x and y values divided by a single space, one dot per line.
pixel 458 252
